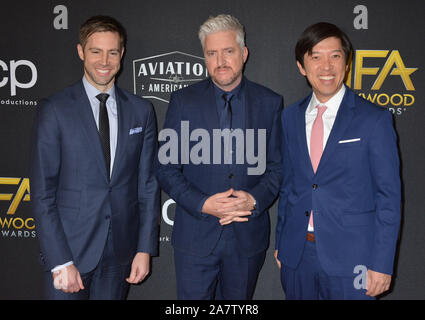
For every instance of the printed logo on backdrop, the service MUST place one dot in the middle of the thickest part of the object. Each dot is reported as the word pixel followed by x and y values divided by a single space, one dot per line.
pixel 16 76
pixel 158 76
pixel 167 215
pixel 14 191
pixel 383 77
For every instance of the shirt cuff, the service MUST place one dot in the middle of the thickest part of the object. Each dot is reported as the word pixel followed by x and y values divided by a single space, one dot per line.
pixel 62 266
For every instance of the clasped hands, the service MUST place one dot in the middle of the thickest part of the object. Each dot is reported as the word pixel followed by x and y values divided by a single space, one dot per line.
pixel 230 206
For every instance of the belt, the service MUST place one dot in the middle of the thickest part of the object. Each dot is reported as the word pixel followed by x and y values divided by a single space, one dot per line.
pixel 310 237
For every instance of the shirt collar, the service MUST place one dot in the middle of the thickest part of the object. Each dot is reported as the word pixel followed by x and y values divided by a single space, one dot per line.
pixel 332 104
pixel 237 92
pixel 92 91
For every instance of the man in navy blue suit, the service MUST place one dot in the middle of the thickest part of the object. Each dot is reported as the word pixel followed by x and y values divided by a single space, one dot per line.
pixel 94 195
pixel 339 207
pixel 221 225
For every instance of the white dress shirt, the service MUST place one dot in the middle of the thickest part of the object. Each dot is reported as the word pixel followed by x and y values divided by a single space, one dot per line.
pixel 111 107
pixel 328 118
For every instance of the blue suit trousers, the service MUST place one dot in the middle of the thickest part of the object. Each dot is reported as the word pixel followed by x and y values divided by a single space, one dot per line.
pixel 310 282
pixel 222 275
pixel 105 282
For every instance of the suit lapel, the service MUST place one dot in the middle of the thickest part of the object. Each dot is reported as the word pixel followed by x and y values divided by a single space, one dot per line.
pixel 85 112
pixel 210 107
pixel 251 111
pixel 301 135
pixel 341 124
pixel 124 122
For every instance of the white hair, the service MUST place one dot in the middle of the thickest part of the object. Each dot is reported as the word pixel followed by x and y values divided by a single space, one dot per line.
pixel 222 22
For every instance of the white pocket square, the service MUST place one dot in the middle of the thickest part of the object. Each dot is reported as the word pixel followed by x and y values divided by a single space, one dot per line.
pixel 135 130
pixel 349 140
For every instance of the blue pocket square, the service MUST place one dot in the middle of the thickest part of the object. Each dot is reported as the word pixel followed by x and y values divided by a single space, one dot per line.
pixel 135 130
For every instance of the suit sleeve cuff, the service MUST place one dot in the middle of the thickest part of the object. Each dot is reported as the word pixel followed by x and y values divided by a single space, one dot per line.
pixel 201 205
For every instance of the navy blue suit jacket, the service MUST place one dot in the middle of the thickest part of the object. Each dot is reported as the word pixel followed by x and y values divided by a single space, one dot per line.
pixel 190 184
pixel 73 201
pixel 355 194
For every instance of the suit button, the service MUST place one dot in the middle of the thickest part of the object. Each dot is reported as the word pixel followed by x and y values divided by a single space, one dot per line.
pixel 107 217
pixel 231 176
pixel 307 213
pixel 315 186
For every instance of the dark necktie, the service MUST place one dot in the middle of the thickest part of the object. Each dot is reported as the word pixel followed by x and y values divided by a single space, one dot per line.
pixel 226 114
pixel 104 128
pixel 226 123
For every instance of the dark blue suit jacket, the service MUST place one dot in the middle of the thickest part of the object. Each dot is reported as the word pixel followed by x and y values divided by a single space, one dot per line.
pixel 356 195
pixel 190 184
pixel 73 202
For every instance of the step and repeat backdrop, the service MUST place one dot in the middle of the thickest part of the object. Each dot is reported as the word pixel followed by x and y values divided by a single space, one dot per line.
pixel 38 57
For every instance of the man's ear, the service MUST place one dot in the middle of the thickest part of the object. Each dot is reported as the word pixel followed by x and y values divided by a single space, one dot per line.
pixel 80 51
pixel 245 54
pixel 301 68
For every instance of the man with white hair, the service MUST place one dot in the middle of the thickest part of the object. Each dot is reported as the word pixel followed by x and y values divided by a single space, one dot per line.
pixel 221 225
